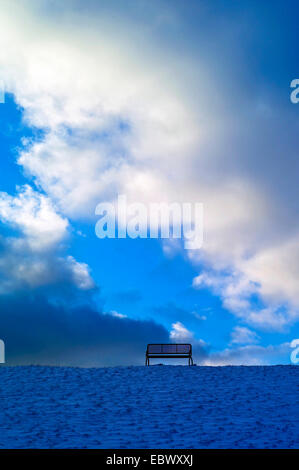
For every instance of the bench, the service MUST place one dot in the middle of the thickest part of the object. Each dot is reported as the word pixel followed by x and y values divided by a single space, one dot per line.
pixel 168 351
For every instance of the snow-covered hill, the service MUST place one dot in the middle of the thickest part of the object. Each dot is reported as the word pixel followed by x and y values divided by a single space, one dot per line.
pixel 149 407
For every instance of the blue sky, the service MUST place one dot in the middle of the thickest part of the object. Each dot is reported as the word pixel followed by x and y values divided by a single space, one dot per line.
pixel 160 101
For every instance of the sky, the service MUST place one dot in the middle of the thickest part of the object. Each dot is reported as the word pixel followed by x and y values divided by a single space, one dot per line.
pixel 161 101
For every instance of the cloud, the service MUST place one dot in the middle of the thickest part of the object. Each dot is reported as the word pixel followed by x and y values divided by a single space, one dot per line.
pixel 250 355
pixel 116 314
pixel 34 215
pixel 36 331
pixel 239 293
pixel 21 270
pixel 31 256
pixel 276 270
pixel 180 333
pixel 242 350
pixel 242 335
pixel 80 274
pixel 159 125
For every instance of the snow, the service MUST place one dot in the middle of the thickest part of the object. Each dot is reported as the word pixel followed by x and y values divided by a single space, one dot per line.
pixel 149 407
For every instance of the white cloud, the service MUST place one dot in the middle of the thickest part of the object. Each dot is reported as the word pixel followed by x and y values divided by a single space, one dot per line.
pixel 237 290
pixel 276 269
pixel 199 316
pixel 21 269
pixel 117 314
pixel 80 273
pixel 180 333
pixel 242 335
pixel 32 258
pixel 34 215
pixel 250 355
pixel 121 114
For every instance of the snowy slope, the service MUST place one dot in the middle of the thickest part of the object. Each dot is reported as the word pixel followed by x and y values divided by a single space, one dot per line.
pixel 149 407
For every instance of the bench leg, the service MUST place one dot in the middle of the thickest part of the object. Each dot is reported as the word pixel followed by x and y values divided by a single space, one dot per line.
pixel 147 361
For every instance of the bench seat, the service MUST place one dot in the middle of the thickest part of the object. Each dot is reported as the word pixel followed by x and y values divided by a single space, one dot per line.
pixel 168 351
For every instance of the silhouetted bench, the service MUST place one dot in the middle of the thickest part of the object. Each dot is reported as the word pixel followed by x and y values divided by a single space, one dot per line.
pixel 168 351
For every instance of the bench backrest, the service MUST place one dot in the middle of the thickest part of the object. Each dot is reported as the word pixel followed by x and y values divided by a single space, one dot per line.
pixel 169 349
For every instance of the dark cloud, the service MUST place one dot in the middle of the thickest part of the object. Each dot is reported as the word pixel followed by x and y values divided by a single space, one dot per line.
pixel 36 331
pixel 21 269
